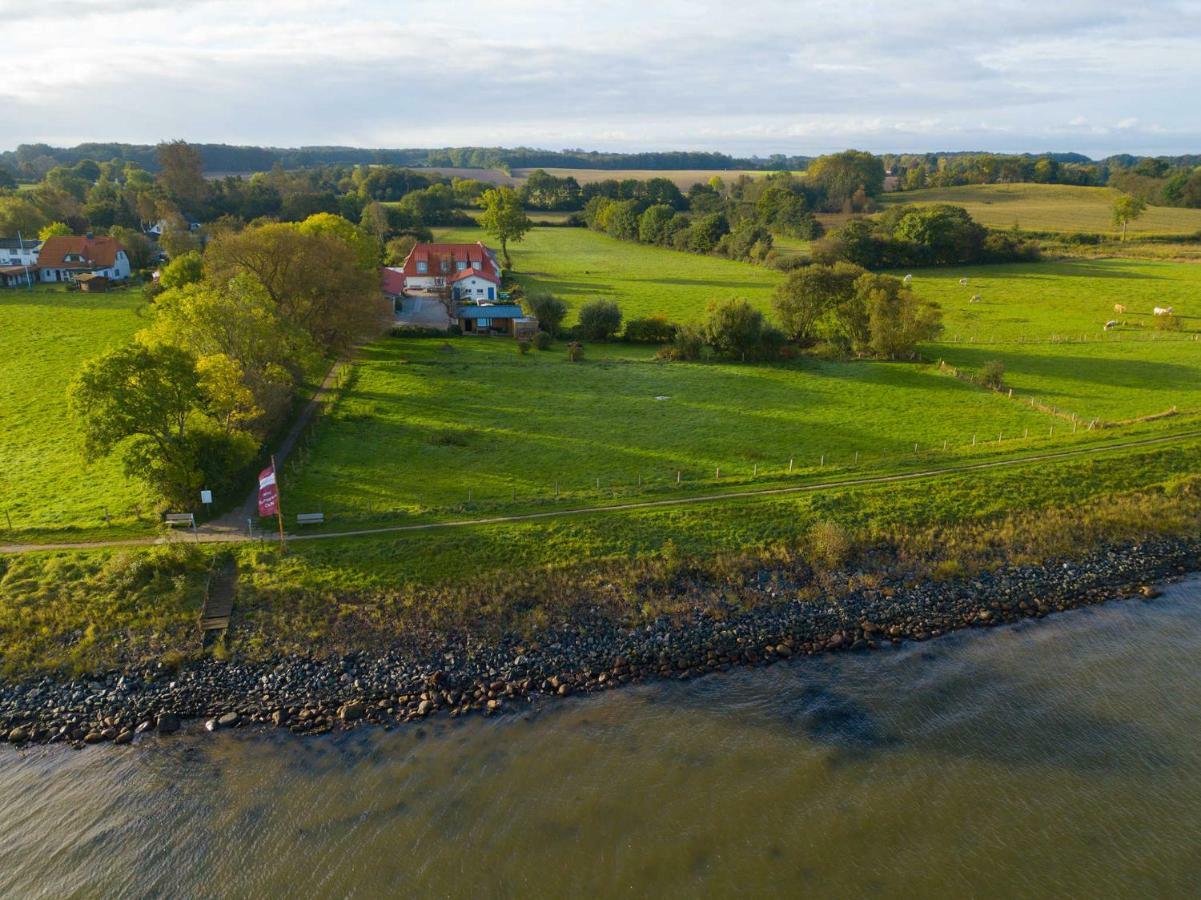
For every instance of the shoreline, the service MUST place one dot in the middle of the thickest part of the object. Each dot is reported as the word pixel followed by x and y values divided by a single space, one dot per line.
pixel 454 675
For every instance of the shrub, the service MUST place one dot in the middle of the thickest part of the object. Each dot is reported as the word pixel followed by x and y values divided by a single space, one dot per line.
pixel 599 319
pixel 734 327
pixel 548 309
pixel 652 330
pixel 523 347
pixel 542 340
pixel 829 545
pixel 992 375
pixel 575 351
pixel 414 331
pixel 1168 323
pixel 454 330
pixel 687 345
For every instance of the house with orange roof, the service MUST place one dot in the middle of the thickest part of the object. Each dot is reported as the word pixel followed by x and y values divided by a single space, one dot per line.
pixel 467 271
pixel 67 257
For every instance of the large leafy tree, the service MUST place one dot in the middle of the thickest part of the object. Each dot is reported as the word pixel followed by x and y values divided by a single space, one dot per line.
pixel 809 297
pixel 898 319
pixel 504 218
pixel 181 173
pixel 314 280
pixel 734 327
pixel 364 245
pixel 151 405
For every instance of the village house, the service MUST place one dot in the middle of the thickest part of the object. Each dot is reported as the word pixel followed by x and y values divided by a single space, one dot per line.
pixel 65 258
pixel 468 271
pixel 18 262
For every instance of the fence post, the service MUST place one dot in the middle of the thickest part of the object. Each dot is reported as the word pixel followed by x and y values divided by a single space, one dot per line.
pixel 790 465
pixel 719 473
pixel 679 475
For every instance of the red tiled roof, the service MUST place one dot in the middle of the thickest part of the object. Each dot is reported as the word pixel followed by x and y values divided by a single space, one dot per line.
pixel 392 281
pixel 99 252
pixel 435 254
pixel 485 274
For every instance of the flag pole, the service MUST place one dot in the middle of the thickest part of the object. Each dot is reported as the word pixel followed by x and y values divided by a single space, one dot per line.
pixel 279 507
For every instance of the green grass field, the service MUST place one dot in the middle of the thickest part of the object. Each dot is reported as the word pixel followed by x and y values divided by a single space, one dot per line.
pixel 442 419
pixel 579 265
pixel 45 335
pixel 1050 207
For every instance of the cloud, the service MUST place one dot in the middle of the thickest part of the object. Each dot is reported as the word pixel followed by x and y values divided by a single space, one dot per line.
pixel 764 77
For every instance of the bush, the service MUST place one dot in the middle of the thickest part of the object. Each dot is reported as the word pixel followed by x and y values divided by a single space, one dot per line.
pixel 992 375
pixel 829 545
pixel 600 320
pixel 454 330
pixel 1168 323
pixel 575 351
pixel 548 309
pixel 414 331
pixel 652 330
pixel 687 345
pixel 734 327
pixel 523 347
pixel 542 340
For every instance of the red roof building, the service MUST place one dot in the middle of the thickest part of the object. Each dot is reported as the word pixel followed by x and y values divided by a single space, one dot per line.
pixel 64 257
pixel 436 265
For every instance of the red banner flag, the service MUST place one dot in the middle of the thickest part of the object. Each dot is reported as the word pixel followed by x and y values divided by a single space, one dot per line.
pixel 268 492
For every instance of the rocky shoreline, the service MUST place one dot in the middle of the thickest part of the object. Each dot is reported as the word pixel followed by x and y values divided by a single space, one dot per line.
pixel 455 676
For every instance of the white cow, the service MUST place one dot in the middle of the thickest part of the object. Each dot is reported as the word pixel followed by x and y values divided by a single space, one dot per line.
pixel 963 282
pixel 1164 311
pixel 1112 323
pixel 907 280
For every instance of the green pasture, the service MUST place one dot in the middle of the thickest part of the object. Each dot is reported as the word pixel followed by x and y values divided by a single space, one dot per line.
pixel 578 265
pixel 1051 207
pixel 431 427
pixel 45 336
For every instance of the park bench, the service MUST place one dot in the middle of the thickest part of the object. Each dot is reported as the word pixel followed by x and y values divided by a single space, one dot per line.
pixel 310 519
pixel 180 519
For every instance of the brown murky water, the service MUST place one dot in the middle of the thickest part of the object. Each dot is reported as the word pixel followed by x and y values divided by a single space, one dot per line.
pixel 1058 758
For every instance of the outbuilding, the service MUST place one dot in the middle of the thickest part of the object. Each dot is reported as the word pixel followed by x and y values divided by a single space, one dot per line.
pixel 490 318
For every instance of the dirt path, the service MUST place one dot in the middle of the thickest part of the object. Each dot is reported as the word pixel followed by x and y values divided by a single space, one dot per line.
pixel 210 537
pixel 232 525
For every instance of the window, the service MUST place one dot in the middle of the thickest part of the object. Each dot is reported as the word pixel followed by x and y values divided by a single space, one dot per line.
pixel 422 267
pixel 475 264
pixel 460 265
pixel 446 265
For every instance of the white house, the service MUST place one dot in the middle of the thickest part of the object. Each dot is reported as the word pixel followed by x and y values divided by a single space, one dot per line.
pixel 64 258
pixel 18 252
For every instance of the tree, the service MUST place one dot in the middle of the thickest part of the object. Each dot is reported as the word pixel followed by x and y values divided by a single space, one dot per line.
pixel 548 309
pixel 366 247
pixel 654 225
pixel 841 174
pixel 181 173
pixel 150 404
pixel 313 280
pixel 19 216
pixel 734 327
pixel 237 321
pixel 54 229
pixel 397 250
pixel 600 319
pixel 810 294
pixel 504 218
pixel 897 318
pixel 1126 209
pixel 185 269
pixel 137 246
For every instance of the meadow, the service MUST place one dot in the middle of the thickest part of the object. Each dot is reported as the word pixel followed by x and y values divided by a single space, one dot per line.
pixel 578 265
pixel 46 336
pixel 1051 207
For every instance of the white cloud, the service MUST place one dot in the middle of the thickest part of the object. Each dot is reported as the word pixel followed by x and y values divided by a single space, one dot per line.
pixel 764 77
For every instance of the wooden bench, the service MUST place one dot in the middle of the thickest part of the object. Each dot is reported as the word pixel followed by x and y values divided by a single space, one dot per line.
pixel 180 519
pixel 310 519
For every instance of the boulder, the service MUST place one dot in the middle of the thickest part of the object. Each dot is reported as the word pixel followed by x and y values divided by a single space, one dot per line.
pixel 351 712
pixel 167 723
pixel 228 720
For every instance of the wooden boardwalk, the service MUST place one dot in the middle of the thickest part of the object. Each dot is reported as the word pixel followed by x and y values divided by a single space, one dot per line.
pixel 219 600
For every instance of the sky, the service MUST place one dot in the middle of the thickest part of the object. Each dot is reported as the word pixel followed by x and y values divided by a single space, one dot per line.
pixel 740 76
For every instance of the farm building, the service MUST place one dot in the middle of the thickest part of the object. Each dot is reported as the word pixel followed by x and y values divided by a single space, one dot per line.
pixel 65 258
pixel 499 318
pixel 95 284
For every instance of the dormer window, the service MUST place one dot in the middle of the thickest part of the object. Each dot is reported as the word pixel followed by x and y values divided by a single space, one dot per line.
pixel 460 265
pixel 422 267
pixel 446 265
pixel 475 264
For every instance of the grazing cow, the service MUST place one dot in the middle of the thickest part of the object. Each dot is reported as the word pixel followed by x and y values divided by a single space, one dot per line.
pixel 1164 311
pixel 907 280
pixel 1119 308
pixel 1112 323
pixel 963 282
pixel 976 298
